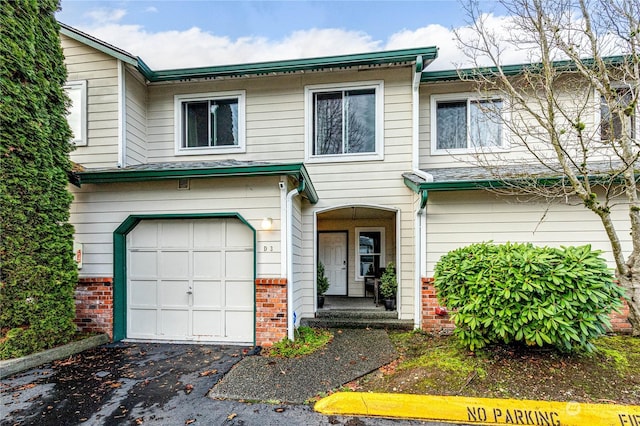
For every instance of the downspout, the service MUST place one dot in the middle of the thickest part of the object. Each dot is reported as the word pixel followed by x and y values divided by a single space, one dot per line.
pixel 289 257
pixel 421 213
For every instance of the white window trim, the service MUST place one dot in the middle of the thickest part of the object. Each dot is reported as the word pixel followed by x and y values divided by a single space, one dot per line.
pixel 179 99
pixel 383 262
pixel 80 140
pixel 309 91
pixel 467 96
pixel 598 112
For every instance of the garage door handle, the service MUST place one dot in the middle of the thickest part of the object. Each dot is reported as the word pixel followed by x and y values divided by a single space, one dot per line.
pixel 190 291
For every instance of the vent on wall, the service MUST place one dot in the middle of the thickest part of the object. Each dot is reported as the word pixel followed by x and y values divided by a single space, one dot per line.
pixel 183 183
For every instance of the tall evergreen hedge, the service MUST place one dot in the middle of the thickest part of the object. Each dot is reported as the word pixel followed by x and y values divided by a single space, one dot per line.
pixel 38 272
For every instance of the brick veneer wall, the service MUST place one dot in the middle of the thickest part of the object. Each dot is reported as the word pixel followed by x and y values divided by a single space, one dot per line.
pixel 433 323
pixel 94 305
pixel 271 310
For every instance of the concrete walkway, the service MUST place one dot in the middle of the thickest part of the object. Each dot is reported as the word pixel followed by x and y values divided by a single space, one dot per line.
pixel 352 354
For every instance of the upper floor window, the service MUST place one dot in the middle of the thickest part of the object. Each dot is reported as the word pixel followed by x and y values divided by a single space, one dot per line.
pixel 612 123
pixel 210 123
pixel 77 114
pixel 465 124
pixel 344 122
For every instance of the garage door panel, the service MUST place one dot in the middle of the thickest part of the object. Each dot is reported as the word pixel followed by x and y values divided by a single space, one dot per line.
pixel 207 264
pixel 239 325
pixel 239 264
pixel 237 235
pixel 208 234
pixel 142 293
pixel 145 235
pixel 174 293
pixel 175 234
pixel 143 322
pixel 207 294
pixel 238 294
pixel 143 264
pixel 207 323
pixel 174 323
pixel 174 264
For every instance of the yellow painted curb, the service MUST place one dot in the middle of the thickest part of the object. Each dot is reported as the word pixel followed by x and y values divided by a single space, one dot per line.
pixel 484 411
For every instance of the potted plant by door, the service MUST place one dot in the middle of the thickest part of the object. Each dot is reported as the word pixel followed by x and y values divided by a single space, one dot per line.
pixel 389 287
pixel 322 284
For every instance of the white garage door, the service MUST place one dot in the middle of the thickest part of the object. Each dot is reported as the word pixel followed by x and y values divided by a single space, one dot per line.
pixel 190 280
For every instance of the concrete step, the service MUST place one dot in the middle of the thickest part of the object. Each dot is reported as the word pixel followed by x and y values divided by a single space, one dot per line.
pixel 386 323
pixel 357 314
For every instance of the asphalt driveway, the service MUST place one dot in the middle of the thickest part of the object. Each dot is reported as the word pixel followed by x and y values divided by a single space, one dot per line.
pixel 146 383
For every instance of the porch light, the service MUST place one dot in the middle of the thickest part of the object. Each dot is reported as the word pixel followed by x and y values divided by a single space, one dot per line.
pixel 267 223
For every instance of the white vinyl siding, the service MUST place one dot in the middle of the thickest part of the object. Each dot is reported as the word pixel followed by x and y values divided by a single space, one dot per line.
pixel 100 71
pixel 136 120
pixel 99 209
pixel 459 218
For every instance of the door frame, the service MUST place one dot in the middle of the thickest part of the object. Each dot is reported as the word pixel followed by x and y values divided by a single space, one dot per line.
pixel 120 263
pixel 346 272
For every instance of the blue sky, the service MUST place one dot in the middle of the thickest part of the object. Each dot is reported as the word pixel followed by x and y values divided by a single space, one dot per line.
pixel 174 34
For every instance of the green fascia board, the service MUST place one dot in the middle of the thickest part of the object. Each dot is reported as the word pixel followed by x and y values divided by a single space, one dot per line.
pixel 297 170
pixel 464 185
pixel 508 70
pixel 427 55
pixel 98 44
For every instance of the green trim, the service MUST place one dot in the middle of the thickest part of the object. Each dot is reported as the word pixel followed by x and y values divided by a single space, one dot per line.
pixel 424 197
pixel 120 263
pixel 428 54
pixel 510 70
pixel 98 44
pixel 297 170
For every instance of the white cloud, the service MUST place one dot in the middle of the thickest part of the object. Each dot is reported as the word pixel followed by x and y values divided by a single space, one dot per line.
pixel 151 9
pixel 104 16
pixel 196 47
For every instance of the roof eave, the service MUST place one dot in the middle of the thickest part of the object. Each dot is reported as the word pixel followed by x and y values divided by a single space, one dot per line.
pixel 121 176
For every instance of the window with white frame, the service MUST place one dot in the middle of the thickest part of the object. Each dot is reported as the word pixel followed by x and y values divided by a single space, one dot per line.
pixel 614 123
pixel 465 124
pixel 77 114
pixel 369 251
pixel 344 122
pixel 210 123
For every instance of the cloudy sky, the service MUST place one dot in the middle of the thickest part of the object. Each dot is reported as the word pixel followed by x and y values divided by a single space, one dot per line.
pixel 177 34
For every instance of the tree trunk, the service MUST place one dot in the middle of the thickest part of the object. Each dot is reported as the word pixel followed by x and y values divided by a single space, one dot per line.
pixel 632 287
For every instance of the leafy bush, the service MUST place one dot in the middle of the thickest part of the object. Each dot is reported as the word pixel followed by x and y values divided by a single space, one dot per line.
pixel 522 293
pixel 322 283
pixel 389 282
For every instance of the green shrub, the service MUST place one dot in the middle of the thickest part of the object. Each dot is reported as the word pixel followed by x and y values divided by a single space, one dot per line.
pixel 38 273
pixel 307 340
pixel 522 293
pixel 389 282
pixel 322 282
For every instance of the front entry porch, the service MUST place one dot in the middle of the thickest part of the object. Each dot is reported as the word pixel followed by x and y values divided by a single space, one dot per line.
pixel 354 244
pixel 355 312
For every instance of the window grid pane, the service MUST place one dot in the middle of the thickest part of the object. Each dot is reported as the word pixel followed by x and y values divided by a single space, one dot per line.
pixel 344 122
pixel 210 123
pixel 451 125
pixel 486 129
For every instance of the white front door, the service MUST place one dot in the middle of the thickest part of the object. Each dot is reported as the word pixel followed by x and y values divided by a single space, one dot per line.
pixel 190 280
pixel 333 255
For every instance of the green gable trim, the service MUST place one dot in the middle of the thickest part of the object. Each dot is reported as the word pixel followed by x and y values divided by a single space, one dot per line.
pixel 98 44
pixel 120 263
pixel 427 54
pixel 508 70
pixel 132 175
